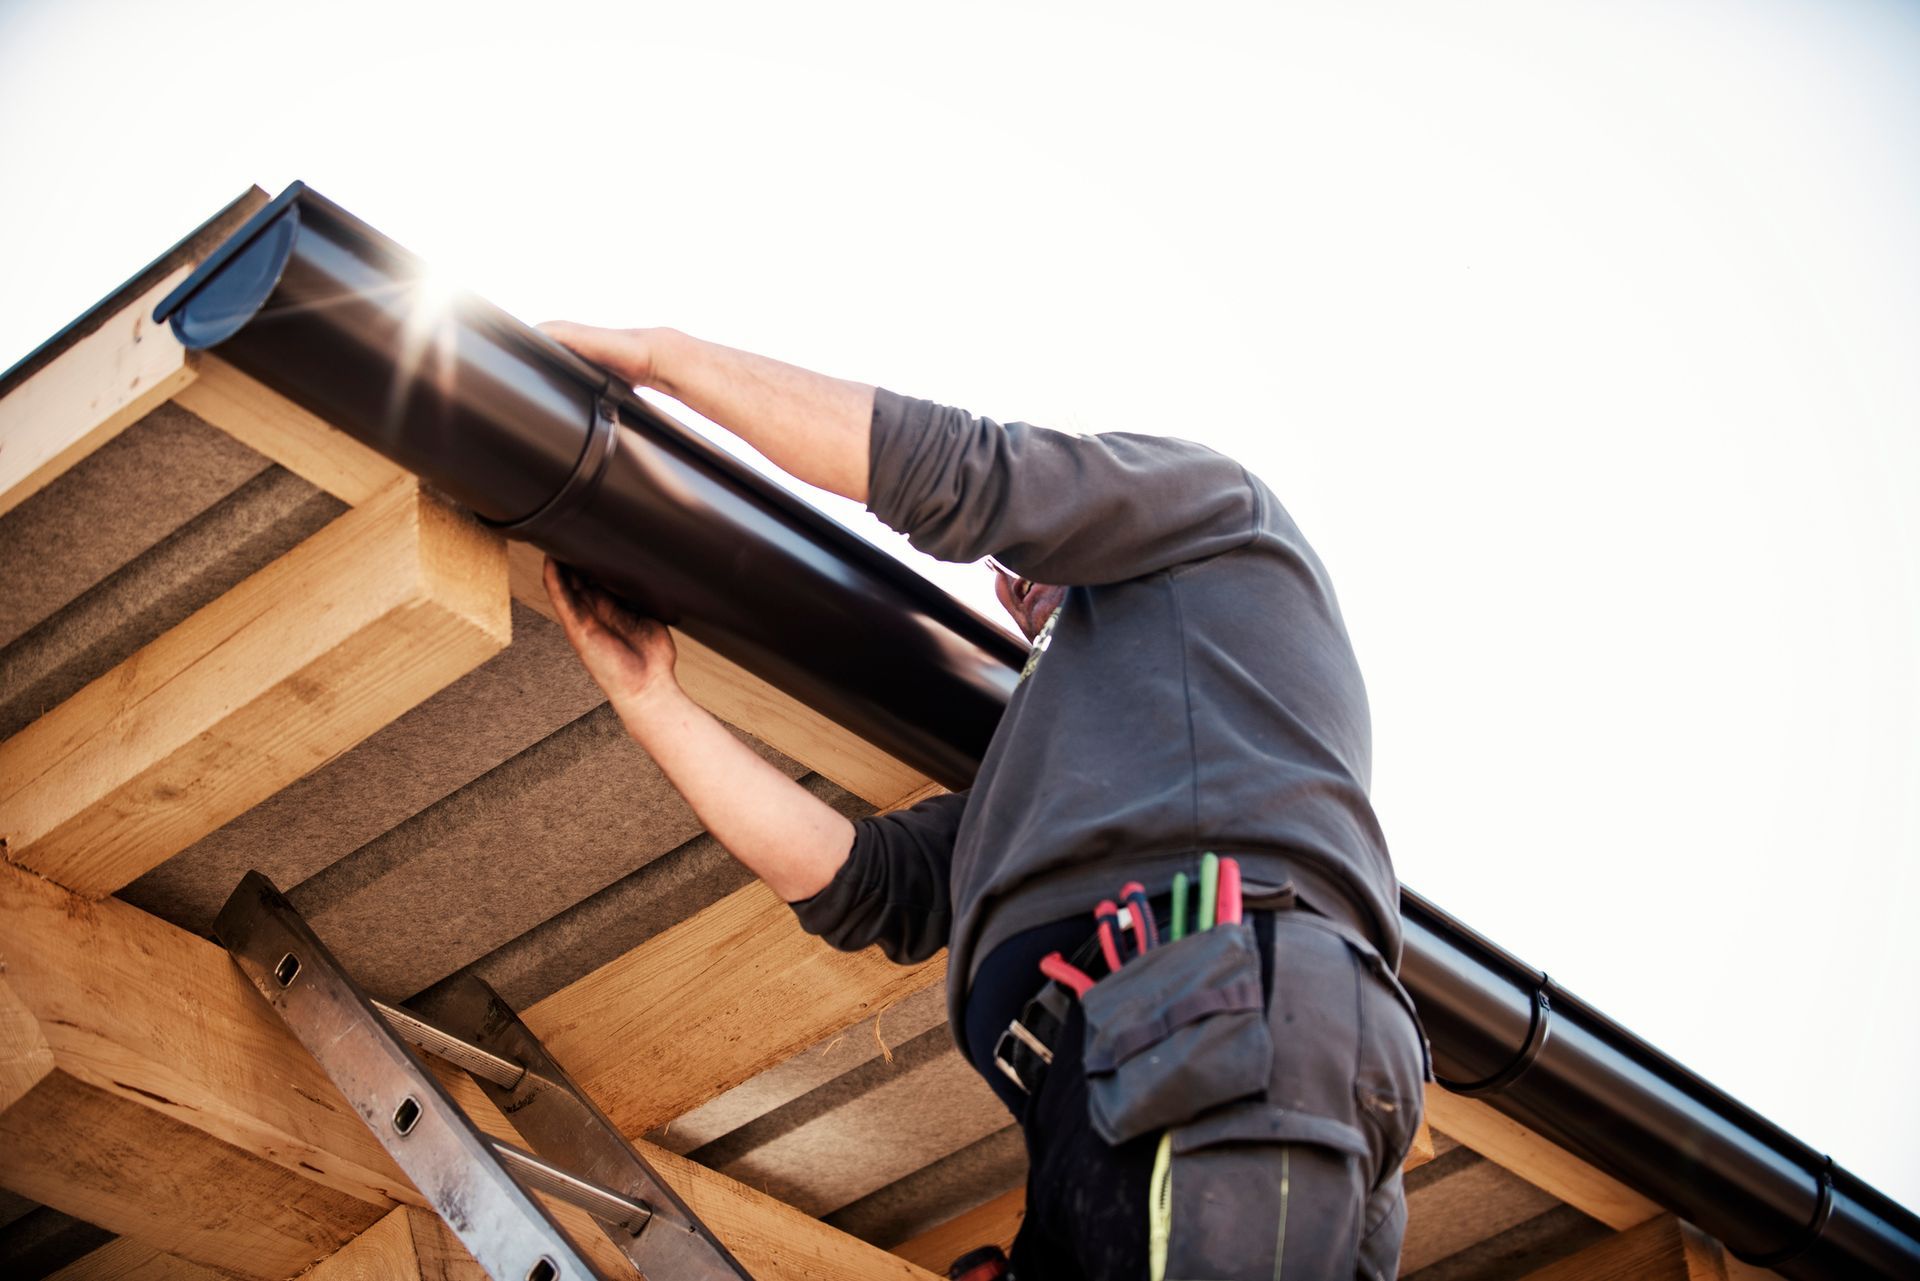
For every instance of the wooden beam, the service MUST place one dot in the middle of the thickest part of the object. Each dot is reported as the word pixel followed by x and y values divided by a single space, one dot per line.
pixel 152 1091
pixel 1546 1165
pixel 996 1221
pixel 379 610
pixel 708 1004
pixel 124 1004
pixel 133 1170
pixel 270 424
pixel 124 1259
pixel 92 390
pixel 1661 1249
pixel 410 1244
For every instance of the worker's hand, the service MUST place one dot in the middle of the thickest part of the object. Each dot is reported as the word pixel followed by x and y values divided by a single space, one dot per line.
pixel 629 655
pixel 630 353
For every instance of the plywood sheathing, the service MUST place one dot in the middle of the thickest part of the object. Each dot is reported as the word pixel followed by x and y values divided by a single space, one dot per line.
pixel 261 520
pixel 949 1187
pixel 629 912
pixel 506 705
pixel 113 505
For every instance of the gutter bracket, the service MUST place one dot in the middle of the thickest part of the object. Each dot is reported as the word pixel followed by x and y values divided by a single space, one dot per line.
pixel 1538 1030
pixel 1808 1236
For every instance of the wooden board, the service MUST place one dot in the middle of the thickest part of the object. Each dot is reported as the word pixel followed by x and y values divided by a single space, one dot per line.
pixel 410 1244
pixel 93 389
pixel 711 1002
pixel 1547 1166
pixel 376 612
pixel 124 1259
pixel 995 1223
pixel 273 425
pixel 1661 1249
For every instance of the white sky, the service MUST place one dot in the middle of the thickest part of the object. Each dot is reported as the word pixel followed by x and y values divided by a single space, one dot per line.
pixel 1580 338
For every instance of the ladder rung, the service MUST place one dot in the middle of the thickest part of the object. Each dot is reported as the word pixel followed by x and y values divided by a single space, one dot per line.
pixel 462 1054
pixel 603 1204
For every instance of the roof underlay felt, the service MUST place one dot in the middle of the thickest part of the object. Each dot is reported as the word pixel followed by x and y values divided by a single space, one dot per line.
pixel 507 827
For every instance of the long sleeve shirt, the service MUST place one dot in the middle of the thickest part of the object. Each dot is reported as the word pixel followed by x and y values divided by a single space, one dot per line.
pixel 1196 691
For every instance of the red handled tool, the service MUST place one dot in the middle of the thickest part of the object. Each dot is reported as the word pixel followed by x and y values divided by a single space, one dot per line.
pixel 1108 916
pixel 1230 900
pixel 1145 932
pixel 1061 970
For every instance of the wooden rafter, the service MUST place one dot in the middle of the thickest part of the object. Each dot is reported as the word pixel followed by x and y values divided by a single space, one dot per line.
pixel 333 640
pixel 1540 1162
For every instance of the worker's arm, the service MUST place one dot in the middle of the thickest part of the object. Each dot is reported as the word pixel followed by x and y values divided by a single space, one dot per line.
pixel 788 837
pixel 810 425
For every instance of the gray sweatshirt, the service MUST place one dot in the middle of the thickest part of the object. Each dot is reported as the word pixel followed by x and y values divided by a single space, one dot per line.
pixel 1195 692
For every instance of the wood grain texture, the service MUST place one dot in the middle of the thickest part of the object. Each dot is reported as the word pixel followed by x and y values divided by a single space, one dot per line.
pixel 130 1006
pixel 373 614
pixel 410 1244
pixel 1545 1165
pixel 135 1171
pixel 995 1223
pixel 124 1259
pixel 90 391
pixel 268 422
pixel 1661 1249
pixel 711 1002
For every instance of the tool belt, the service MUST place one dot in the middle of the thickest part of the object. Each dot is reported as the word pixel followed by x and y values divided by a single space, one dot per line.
pixel 1024 1051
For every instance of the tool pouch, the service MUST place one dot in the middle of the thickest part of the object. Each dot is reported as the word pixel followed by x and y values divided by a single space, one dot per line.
pixel 1175 1032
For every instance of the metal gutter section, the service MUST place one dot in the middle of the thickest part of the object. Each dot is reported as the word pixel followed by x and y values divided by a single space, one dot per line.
pixel 329 313
pixel 332 315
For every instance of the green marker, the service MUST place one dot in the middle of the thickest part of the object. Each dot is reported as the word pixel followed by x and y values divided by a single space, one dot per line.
pixel 1179 904
pixel 1209 888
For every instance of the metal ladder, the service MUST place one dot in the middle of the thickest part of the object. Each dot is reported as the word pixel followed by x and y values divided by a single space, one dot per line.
pixel 478 1184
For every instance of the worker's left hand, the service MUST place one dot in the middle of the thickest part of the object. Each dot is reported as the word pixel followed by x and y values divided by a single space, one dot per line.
pixel 629 655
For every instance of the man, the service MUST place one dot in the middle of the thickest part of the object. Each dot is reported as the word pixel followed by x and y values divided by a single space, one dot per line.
pixel 1244 1098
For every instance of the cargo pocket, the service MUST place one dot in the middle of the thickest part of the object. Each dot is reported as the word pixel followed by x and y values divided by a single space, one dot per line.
pixel 1254 1190
pixel 1176 1032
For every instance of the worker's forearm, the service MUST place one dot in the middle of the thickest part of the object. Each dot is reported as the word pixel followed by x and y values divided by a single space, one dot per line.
pixel 811 426
pixel 784 834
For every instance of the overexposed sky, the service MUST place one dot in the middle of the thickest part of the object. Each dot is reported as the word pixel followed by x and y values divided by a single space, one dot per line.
pixel 1580 338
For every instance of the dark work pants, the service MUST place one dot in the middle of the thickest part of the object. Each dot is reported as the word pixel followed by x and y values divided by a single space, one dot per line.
pixel 1303 1184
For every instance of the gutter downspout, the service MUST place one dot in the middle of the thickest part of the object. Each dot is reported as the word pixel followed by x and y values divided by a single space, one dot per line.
pixel 329 313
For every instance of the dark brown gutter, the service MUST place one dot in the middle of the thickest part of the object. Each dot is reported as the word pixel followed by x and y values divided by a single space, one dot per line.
pixel 331 314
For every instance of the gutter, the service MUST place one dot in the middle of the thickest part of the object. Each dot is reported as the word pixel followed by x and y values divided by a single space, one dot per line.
pixel 550 449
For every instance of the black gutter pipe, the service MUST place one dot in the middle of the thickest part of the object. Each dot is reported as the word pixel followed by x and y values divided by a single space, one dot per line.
pixel 332 315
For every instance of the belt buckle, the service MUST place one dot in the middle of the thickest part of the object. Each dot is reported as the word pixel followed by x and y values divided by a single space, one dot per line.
pixel 1017 1034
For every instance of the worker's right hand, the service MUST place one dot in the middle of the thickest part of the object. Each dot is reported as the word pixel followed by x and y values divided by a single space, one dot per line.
pixel 632 354
pixel 629 655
